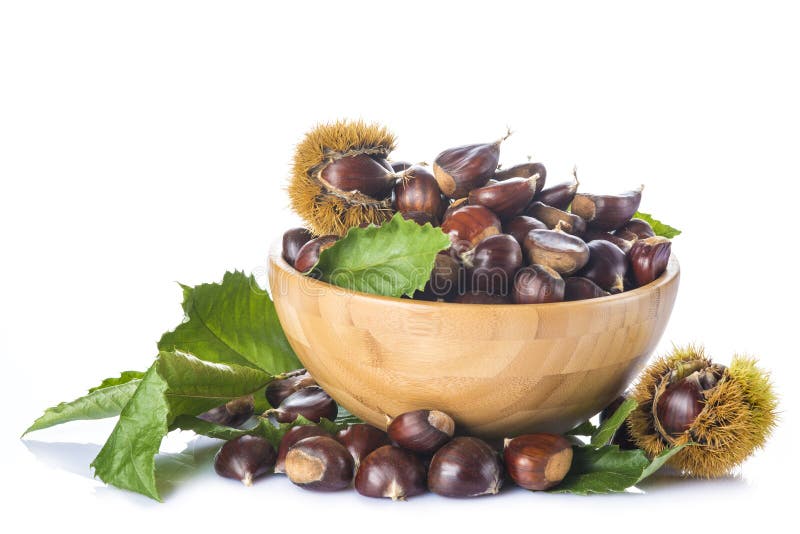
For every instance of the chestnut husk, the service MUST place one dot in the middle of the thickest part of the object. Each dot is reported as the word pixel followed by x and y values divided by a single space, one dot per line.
pixel 319 463
pixel 245 458
pixel 492 263
pixel 391 472
pixel 465 467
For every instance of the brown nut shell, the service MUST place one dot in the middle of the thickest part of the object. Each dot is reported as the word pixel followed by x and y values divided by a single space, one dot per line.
pixel 507 198
pixel 621 241
pixel 537 284
pixel 524 170
pixel 465 467
pixel 481 297
pixel 519 226
pixel 233 413
pixel 277 390
pixel 558 196
pixel 492 263
pixel 635 229
pixel 649 258
pixel 607 212
pixel 470 225
pixel 245 458
pixel 606 267
pixel 417 191
pixel 293 240
pixel 461 169
pixel 292 436
pixel 361 173
pixel 579 288
pixel 538 461
pixel 308 255
pixel 319 463
pixel 562 252
pixel 391 472
pixel 361 439
pixel 310 402
pixel 422 431
pixel 554 217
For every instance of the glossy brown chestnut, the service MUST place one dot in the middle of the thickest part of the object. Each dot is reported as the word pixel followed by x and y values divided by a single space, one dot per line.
pixel 245 459
pixel 635 229
pixel 623 243
pixel 607 212
pixel 519 226
pixel 606 267
pixel 465 467
pixel 419 217
pixel 233 413
pixel 422 431
pixel 470 225
pixel 361 173
pixel 560 195
pixel 537 284
pixel 417 191
pixel 554 217
pixel 308 255
pixel 492 263
pixel 310 402
pixel 524 170
pixel 507 198
pixel 462 169
pixel 579 288
pixel 293 240
pixel 319 463
pixel 649 258
pixel 391 472
pixel 447 277
pixel 679 406
pixel 361 439
pixel 562 252
pixel 292 436
pixel 279 389
pixel 480 297
pixel 454 205
pixel 538 461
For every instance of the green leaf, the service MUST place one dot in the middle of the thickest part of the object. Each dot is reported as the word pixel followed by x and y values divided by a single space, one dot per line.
pixel 659 461
pixel 176 384
pixel 234 323
pixel 124 377
pixel 207 428
pixel 394 259
pixel 610 426
pixel 662 229
pixel 101 402
pixel 604 470
pixel 584 429
pixel 345 418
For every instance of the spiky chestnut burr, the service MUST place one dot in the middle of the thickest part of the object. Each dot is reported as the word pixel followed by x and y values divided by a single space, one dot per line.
pixel 725 412
pixel 340 177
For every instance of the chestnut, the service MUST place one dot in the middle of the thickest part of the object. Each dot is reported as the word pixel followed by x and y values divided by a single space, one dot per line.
pixel 310 402
pixel 579 288
pixel 453 206
pixel 245 458
pixel 319 463
pixel 361 173
pixel 480 297
pixel 553 217
pixel 418 192
pixel 492 263
pixel 469 225
pixel 391 472
pixel 292 436
pixel 621 241
pixel 465 467
pixel 361 439
pixel 524 170
pixel 635 229
pixel 519 226
pixel 679 405
pixel 280 388
pixel 649 258
pixel 537 284
pixel 422 431
pixel 233 413
pixel 293 240
pixel 607 212
pixel 308 255
pixel 507 198
pixel 448 276
pixel 559 196
pixel 419 217
pixel 461 169
pixel 606 267
pixel 562 252
pixel 400 166
pixel 538 461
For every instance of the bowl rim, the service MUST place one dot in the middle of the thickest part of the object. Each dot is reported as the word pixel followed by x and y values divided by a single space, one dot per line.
pixel 276 261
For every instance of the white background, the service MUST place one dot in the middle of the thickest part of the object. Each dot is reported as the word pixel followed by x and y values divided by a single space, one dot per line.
pixel 144 143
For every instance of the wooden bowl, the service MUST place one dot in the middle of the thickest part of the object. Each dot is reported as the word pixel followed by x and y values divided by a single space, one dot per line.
pixel 498 370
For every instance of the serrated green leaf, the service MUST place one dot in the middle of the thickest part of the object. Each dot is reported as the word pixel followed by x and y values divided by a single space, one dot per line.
pixel 99 403
pixel 123 378
pixel 584 429
pixel 604 470
pixel 176 384
pixel 234 323
pixel 659 461
pixel 393 260
pixel 610 426
pixel 660 228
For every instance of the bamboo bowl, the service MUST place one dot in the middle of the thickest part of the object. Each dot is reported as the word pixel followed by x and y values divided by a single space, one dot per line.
pixel 498 370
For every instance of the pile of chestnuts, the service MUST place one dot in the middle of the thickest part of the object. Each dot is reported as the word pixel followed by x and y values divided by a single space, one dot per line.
pixel 513 240
pixel 418 452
